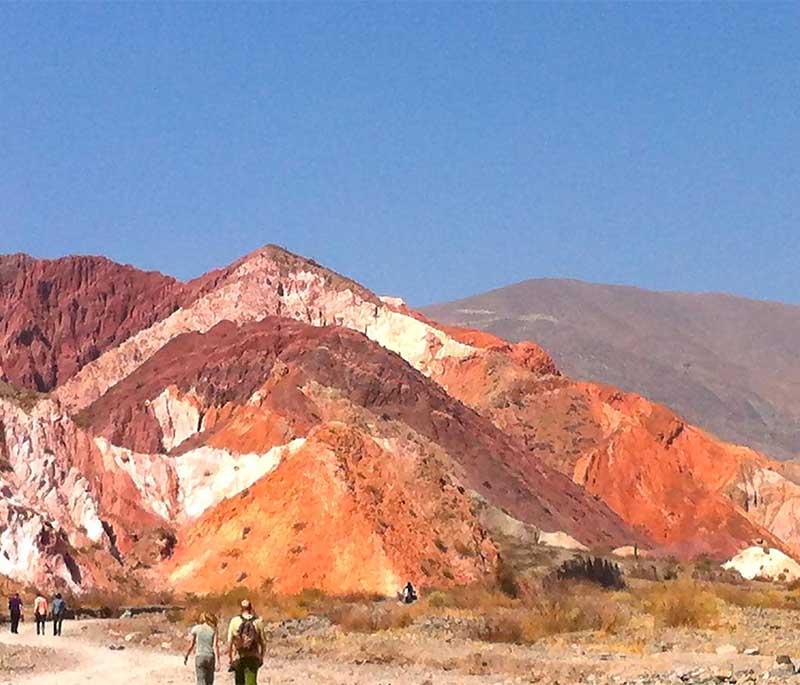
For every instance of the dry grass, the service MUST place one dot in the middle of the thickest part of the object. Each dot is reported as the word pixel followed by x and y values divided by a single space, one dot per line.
pixel 15 659
pixel 476 598
pixel 564 607
pixel 270 606
pixel 554 617
pixel 496 617
pixel 539 609
pixel 681 603
pixel 112 603
pixel 763 597
pixel 364 618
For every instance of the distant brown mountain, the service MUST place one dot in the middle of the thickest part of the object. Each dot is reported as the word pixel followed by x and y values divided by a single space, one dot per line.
pixel 728 364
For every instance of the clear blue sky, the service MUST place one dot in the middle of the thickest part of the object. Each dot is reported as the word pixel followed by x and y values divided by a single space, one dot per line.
pixel 429 151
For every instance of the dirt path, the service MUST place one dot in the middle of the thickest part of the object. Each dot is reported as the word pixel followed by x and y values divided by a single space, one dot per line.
pixel 78 660
pixel 80 657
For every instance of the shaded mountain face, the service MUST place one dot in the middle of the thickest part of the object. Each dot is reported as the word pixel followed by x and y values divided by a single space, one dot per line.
pixel 727 364
pixel 58 315
pixel 283 423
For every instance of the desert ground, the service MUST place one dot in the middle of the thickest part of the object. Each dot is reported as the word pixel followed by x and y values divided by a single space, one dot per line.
pixel 659 632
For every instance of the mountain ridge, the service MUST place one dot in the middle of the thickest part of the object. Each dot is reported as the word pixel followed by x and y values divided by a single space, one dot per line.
pixel 621 286
pixel 165 451
pixel 725 362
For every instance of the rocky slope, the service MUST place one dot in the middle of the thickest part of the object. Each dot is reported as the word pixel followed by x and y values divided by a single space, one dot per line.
pixel 274 399
pixel 68 516
pixel 242 406
pixel 58 315
pixel 687 491
pixel 726 363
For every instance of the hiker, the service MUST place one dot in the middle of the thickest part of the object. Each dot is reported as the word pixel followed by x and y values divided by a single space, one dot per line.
pixel 408 595
pixel 40 614
pixel 205 643
pixel 246 645
pixel 15 612
pixel 59 611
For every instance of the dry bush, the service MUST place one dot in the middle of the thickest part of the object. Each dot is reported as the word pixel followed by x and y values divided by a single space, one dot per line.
pixel 568 608
pixel 107 604
pixel 706 569
pixel 793 585
pixel 507 627
pixel 363 618
pixel 643 570
pixel 273 607
pixel 508 581
pixel 578 607
pixel 681 603
pixel 595 570
pixel 768 597
pixel 476 598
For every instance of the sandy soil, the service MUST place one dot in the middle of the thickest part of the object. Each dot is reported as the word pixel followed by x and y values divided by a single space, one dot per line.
pixel 80 659
pixel 83 656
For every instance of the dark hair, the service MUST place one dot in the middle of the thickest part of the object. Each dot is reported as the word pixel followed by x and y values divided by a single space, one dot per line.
pixel 58 595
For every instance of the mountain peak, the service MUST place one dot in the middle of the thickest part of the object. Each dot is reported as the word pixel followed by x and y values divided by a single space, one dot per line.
pixel 201 411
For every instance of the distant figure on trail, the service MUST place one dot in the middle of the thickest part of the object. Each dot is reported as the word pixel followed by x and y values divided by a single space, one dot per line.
pixel 59 611
pixel 408 594
pixel 15 611
pixel 205 643
pixel 40 614
pixel 246 645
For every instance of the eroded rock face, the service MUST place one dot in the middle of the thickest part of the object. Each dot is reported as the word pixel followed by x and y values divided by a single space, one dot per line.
pixel 271 282
pixel 68 514
pixel 274 400
pixel 32 550
pixel 281 408
pixel 383 517
pixel 58 315
pixel 688 492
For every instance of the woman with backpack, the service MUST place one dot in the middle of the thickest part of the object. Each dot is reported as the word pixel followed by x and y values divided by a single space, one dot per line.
pixel 205 644
pixel 246 645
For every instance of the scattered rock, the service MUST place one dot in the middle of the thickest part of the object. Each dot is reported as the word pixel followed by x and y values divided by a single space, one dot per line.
pixel 726 650
pixel 784 666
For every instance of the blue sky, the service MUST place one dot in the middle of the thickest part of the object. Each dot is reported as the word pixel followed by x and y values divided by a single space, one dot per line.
pixel 429 151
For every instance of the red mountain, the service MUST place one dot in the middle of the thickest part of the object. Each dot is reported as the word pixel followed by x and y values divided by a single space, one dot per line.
pixel 275 400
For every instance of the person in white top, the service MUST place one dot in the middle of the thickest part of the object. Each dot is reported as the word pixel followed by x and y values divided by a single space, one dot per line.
pixel 40 613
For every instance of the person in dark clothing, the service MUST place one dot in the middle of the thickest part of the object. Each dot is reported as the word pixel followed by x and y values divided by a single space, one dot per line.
pixel 409 594
pixel 59 610
pixel 15 611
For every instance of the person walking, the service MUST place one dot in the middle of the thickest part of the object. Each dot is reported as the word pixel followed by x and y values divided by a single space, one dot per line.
pixel 59 611
pixel 246 645
pixel 15 612
pixel 205 644
pixel 40 614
